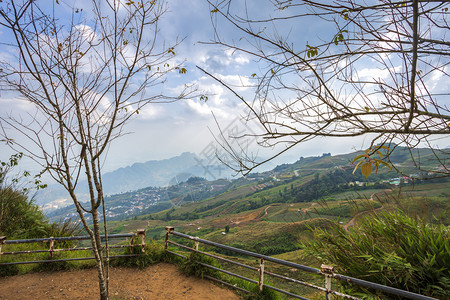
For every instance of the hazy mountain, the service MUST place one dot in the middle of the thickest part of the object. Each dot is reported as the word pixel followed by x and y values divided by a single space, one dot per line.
pixel 161 173
pixel 139 175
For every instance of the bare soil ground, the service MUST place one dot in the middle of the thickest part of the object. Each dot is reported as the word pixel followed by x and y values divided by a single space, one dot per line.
pixel 162 281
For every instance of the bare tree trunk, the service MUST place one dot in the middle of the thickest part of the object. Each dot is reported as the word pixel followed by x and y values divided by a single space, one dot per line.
pixel 99 257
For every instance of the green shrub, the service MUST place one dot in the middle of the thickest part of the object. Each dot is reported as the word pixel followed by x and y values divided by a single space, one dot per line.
pixel 65 228
pixel 390 248
pixel 19 216
pixel 265 294
pixel 154 253
pixel 53 266
pixel 192 266
pixel 9 270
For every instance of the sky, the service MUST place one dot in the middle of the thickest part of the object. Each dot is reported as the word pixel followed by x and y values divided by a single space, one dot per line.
pixel 165 130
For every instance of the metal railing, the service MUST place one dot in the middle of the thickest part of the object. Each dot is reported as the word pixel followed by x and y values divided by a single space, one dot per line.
pixel 52 249
pixel 325 271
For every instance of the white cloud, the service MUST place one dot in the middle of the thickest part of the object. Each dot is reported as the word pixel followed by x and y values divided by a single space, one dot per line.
pixel 376 73
pixel 151 111
pixel 235 56
pixel 200 108
pixel 241 83
pixel 437 81
pixel 87 32
pixel 8 105
pixel 218 60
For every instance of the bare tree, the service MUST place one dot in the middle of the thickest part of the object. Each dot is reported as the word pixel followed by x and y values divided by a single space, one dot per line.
pixel 373 70
pixel 85 73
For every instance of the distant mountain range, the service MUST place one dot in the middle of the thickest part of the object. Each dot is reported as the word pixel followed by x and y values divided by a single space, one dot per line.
pixel 161 173
pixel 154 173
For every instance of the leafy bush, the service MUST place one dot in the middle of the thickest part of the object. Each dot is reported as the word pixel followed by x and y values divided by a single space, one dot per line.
pixel 53 266
pixel 391 249
pixel 154 253
pixel 21 218
pixel 265 294
pixel 9 270
pixel 278 245
pixel 192 266
pixel 64 229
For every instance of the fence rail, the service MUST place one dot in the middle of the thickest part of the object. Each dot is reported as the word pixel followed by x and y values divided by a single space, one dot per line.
pixel 325 271
pixel 51 250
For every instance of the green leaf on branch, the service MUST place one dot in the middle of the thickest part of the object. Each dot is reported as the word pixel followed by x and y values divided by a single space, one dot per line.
pixel 344 14
pixel 313 51
pixel 8 141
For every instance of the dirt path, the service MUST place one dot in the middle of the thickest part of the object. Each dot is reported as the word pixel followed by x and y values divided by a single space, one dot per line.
pixel 161 281
pixel 265 211
pixel 352 221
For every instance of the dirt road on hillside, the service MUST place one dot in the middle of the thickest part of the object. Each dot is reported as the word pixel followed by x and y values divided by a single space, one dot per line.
pixel 162 281
pixel 351 223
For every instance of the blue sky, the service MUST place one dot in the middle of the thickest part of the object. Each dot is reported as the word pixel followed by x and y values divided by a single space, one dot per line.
pixel 166 130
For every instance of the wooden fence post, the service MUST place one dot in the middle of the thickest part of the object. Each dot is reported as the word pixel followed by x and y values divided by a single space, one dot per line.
pixel 131 244
pixel 328 272
pixel 261 274
pixel 141 233
pixel 196 245
pixel 2 242
pixel 169 229
pixel 51 247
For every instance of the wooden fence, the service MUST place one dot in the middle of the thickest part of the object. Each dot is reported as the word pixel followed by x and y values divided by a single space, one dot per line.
pixel 52 249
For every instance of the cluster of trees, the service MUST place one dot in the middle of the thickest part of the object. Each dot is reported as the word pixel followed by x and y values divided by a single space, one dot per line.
pixel 318 188
pixel 198 189
pixel 184 216
pixel 210 206
pixel 325 185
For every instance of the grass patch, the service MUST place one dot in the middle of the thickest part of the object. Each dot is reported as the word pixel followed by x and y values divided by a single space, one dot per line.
pixel 154 253
pixel 193 266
